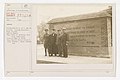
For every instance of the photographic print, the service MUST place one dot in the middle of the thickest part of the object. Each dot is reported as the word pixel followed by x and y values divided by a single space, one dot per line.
pixel 74 34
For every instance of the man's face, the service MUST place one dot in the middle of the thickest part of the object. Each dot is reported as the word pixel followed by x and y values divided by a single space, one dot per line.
pixel 59 32
pixel 64 30
pixel 46 32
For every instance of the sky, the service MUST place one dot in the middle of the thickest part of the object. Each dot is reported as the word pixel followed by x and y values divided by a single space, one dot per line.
pixel 46 12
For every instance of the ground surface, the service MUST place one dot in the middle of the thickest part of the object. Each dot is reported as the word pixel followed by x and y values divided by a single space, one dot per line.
pixel 42 59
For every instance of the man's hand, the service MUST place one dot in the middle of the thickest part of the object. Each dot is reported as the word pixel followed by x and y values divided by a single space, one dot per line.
pixel 66 42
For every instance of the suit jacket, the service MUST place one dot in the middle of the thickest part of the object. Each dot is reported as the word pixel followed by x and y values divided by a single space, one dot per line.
pixel 58 41
pixel 64 38
pixel 52 38
pixel 46 40
pixel 52 44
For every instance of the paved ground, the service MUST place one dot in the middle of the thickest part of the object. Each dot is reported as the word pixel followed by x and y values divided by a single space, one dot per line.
pixel 42 59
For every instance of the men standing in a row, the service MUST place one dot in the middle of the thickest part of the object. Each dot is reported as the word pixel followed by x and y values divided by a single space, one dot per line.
pixel 64 42
pixel 52 43
pixel 56 43
pixel 46 41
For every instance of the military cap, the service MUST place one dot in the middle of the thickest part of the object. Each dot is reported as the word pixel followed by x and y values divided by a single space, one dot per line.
pixel 58 30
pixel 53 29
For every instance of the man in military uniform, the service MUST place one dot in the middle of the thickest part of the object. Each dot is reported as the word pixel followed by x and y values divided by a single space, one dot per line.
pixel 64 40
pixel 46 41
pixel 52 43
pixel 58 43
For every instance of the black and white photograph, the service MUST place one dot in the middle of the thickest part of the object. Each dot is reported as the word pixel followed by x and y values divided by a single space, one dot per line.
pixel 74 34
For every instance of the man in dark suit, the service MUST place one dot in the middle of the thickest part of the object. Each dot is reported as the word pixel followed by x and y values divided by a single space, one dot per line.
pixel 52 43
pixel 64 42
pixel 46 41
pixel 58 43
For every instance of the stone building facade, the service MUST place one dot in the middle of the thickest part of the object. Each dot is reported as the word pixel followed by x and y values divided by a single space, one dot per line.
pixel 89 34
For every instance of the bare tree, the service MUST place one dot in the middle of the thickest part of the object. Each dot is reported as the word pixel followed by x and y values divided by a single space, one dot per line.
pixel 41 29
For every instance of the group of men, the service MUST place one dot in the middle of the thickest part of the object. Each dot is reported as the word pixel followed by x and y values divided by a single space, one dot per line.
pixel 56 43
